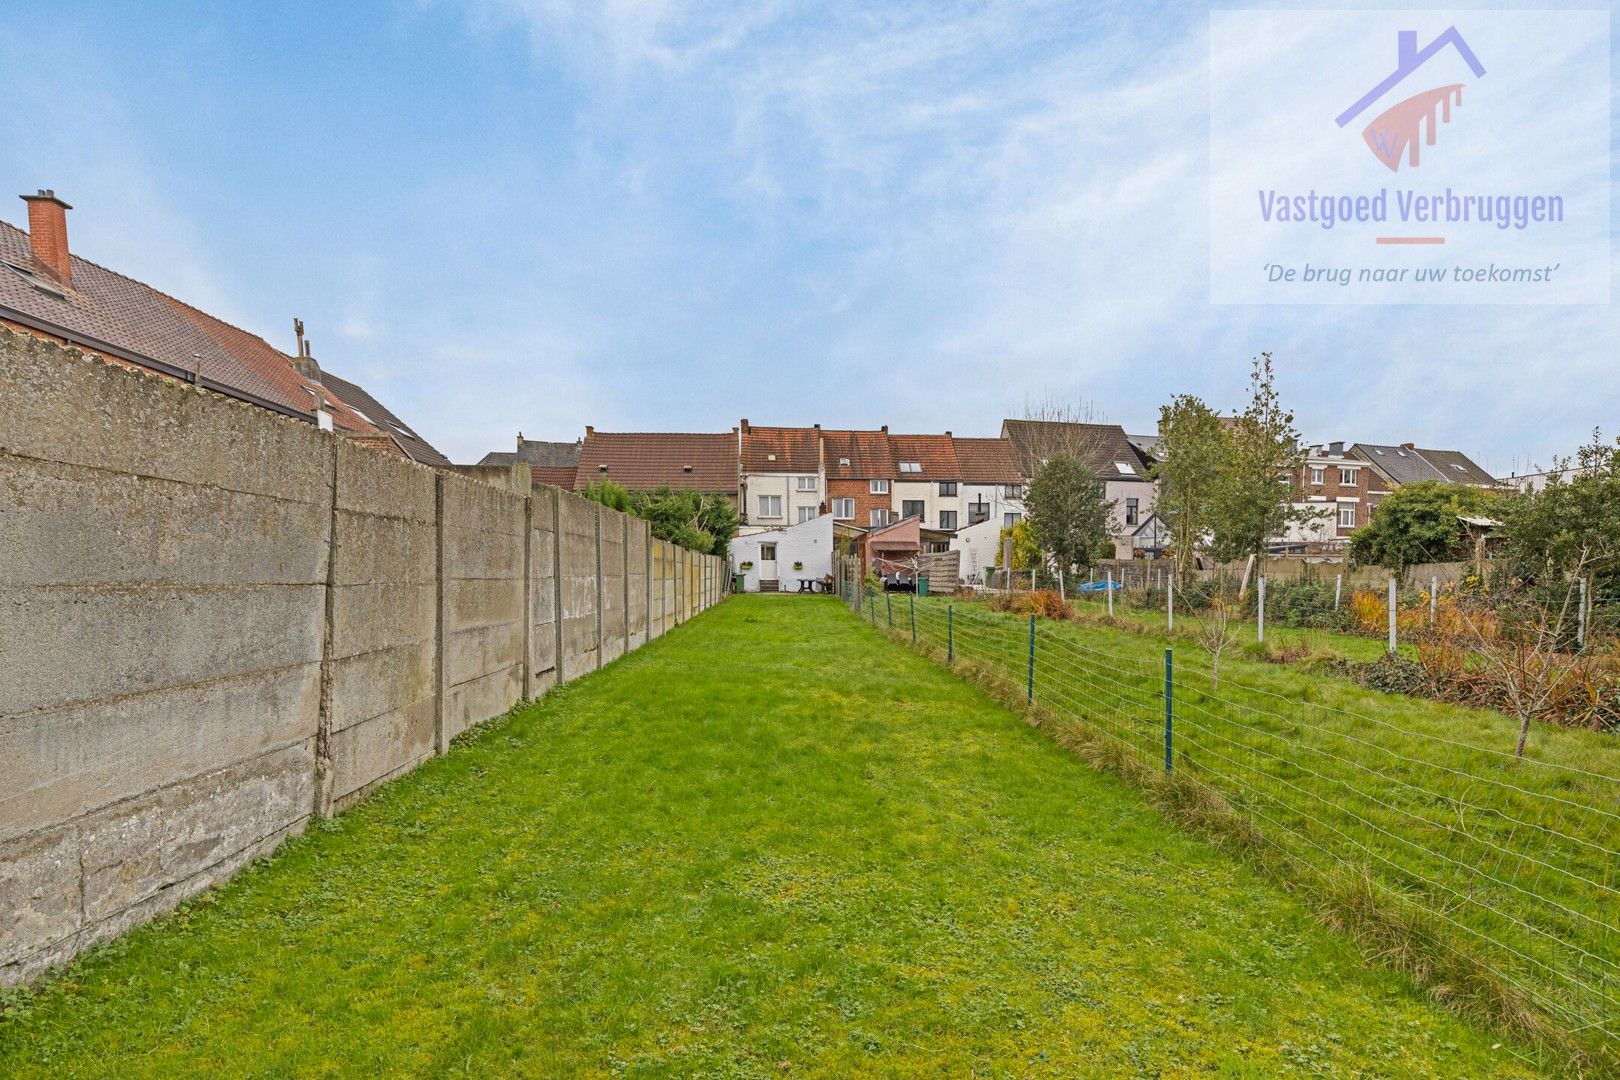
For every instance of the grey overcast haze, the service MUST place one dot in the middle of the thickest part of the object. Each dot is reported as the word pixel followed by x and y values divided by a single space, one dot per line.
pixel 533 215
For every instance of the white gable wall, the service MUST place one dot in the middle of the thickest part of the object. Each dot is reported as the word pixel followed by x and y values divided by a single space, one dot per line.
pixel 810 543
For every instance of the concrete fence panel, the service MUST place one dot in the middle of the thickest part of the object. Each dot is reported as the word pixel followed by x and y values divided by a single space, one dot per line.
pixel 481 573
pixel 576 536
pixel 545 635
pixel 216 621
pixel 381 715
pixel 162 590
pixel 638 576
pixel 615 597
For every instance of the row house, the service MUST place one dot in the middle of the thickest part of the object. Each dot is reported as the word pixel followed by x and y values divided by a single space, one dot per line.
pixel 48 291
pixel 874 478
pixel 1105 450
pixel 1340 487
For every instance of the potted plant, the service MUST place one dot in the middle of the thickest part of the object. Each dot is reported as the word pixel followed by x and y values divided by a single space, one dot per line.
pixel 798 566
pixel 745 566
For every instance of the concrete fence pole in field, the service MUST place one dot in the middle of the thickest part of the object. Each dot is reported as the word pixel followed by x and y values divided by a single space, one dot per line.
pixel 1583 615
pixel 1110 589
pixel 1338 589
pixel 1170 605
pixel 1392 614
pixel 1434 598
pixel 1260 625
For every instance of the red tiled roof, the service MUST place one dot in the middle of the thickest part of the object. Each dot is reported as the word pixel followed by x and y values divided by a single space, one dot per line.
pixel 868 453
pixel 106 312
pixel 645 460
pixel 556 475
pixel 987 461
pixel 934 453
pixel 781 449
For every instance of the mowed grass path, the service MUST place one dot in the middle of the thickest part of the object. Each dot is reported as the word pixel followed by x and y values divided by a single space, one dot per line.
pixel 770 843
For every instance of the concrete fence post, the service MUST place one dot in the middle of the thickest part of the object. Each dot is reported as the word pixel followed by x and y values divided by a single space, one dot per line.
pixel 439 687
pixel 1434 598
pixel 1338 589
pixel 624 557
pixel 1392 614
pixel 323 728
pixel 1260 600
pixel 1582 615
pixel 601 630
pixel 556 498
pixel 528 597
pixel 1170 606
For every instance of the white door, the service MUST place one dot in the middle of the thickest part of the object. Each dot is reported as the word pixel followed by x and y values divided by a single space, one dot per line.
pixel 767 562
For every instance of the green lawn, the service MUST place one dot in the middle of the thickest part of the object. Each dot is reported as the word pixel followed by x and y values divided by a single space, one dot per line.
pixel 1519 862
pixel 769 843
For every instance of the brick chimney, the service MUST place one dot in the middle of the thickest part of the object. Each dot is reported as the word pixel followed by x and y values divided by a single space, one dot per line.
pixel 47 234
pixel 1407 446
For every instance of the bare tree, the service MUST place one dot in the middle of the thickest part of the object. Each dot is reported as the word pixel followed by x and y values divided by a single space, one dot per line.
pixel 1215 632
pixel 1519 646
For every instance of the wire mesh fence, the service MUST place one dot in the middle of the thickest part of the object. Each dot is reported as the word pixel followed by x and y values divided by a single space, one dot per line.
pixel 1512 865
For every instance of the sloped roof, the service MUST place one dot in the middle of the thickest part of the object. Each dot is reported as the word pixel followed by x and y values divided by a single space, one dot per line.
pixel 1408 465
pixel 781 449
pixel 118 316
pixel 1102 448
pixel 986 461
pixel 868 453
pixel 538 454
pixel 935 453
pixel 355 396
pixel 643 460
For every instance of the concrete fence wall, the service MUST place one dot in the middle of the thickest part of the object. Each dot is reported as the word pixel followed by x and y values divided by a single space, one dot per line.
pixel 216 622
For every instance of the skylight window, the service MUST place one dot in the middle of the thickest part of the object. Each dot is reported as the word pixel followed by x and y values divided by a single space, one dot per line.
pixel 911 466
pixel 49 288
pixel 1125 468
pixel 843 461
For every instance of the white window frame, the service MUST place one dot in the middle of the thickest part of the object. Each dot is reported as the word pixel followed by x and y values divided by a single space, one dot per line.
pixel 770 506
pixel 1133 511
pixel 807 483
pixel 877 487
pixel 1318 474
pixel 952 526
pixel 771 546
pixel 878 516
pixel 1348 477
pixel 1350 506
pixel 847 504
pixel 806 513
pixel 1009 519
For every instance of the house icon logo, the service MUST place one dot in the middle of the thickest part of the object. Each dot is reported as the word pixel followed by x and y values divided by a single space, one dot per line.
pixel 1395 132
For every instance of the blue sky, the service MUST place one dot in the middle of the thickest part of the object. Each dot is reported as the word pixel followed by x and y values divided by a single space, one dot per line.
pixel 508 215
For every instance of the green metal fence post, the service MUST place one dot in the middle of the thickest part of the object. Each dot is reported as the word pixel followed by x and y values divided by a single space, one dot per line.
pixel 1169 758
pixel 913 599
pixel 950 633
pixel 1032 659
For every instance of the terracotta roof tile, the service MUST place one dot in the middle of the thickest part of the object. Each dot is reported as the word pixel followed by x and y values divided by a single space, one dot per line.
pixel 781 450
pixel 935 453
pixel 868 453
pixel 645 460
pixel 106 311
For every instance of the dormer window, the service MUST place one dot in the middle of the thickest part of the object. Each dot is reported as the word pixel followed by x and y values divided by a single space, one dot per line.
pixel 601 468
pixel 844 461
pixel 686 469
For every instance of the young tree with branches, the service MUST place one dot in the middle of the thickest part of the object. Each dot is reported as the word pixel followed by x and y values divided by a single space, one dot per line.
pixel 1191 456
pixel 1068 513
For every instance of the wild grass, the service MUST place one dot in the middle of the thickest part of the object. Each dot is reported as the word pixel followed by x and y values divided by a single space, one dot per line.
pixel 767 844
pixel 1497 879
